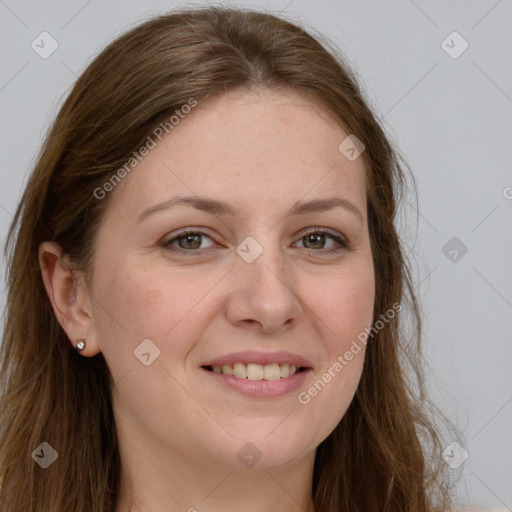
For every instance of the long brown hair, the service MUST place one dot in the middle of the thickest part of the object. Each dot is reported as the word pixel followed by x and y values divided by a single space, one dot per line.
pixel 374 460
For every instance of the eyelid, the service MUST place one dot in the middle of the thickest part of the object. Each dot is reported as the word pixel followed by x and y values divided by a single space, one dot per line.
pixel 342 242
pixel 340 239
pixel 168 240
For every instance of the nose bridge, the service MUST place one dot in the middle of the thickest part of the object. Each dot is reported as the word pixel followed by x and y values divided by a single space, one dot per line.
pixel 264 289
pixel 263 260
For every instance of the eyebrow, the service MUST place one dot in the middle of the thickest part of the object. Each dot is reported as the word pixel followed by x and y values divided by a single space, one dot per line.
pixel 221 208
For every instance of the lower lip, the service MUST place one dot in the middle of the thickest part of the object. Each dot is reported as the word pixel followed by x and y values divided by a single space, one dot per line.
pixel 261 388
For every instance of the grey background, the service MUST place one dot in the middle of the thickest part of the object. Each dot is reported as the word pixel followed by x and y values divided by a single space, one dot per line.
pixel 452 119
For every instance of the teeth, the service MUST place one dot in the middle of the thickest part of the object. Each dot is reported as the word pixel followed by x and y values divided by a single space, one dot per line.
pixel 271 372
pixel 240 370
pixel 227 370
pixel 254 371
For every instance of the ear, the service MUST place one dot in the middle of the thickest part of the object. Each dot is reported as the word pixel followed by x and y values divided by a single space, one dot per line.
pixel 69 296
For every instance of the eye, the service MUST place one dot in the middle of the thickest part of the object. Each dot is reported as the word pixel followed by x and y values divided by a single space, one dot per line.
pixel 187 240
pixel 316 239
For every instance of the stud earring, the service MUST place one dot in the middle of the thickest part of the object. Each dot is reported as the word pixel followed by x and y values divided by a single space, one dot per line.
pixel 80 345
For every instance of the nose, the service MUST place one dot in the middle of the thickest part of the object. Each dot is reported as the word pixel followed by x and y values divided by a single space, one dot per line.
pixel 263 296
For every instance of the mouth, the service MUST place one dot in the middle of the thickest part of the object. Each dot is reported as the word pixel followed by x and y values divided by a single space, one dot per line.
pixel 255 371
pixel 258 375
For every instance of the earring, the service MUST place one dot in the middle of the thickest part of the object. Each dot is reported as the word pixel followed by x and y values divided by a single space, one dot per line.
pixel 80 345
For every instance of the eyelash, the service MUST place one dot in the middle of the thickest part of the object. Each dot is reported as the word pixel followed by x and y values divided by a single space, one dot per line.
pixel 343 244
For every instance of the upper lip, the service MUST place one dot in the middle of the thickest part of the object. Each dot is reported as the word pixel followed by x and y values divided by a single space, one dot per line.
pixel 262 358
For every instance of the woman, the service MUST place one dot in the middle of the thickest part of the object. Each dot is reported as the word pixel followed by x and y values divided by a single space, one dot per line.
pixel 205 286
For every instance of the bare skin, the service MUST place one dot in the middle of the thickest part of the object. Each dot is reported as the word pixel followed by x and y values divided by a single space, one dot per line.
pixel 180 430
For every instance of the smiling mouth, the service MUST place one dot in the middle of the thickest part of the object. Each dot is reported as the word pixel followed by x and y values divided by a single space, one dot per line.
pixel 253 371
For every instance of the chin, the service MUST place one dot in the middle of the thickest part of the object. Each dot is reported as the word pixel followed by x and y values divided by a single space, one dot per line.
pixel 257 448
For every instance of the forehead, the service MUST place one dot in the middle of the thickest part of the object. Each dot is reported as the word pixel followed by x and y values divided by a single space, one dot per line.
pixel 245 144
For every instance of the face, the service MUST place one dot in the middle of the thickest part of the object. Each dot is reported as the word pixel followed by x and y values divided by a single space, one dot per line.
pixel 262 275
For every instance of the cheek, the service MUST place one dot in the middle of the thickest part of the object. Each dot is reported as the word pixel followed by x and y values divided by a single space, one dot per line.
pixel 346 311
pixel 345 306
pixel 134 304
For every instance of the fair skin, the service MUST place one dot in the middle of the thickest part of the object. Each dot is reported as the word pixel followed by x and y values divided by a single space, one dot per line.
pixel 180 429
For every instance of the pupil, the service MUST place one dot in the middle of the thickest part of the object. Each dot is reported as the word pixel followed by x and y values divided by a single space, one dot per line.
pixel 190 238
pixel 317 237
